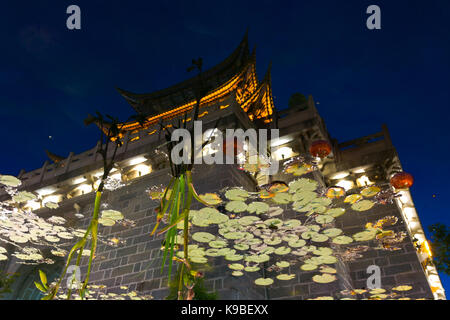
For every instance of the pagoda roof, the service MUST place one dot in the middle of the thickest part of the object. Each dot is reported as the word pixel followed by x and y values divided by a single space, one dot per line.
pixel 179 94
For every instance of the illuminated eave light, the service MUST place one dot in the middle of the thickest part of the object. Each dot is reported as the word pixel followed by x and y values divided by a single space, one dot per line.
pixel 33 205
pixel 283 153
pixel 280 141
pixel 136 161
pixel 143 169
pixel 340 175
pixel 363 181
pixel 45 191
pixel 79 180
pixel 85 188
pixel 346 184
pixel 52 198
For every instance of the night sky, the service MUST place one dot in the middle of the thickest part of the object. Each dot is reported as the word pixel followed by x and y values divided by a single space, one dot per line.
pixel 52 77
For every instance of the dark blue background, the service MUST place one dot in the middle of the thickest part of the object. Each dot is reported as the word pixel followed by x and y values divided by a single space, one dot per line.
pixel 50 77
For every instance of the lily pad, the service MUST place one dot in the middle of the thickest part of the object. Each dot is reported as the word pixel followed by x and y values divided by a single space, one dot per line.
pixel 308 267
pixel 282 198
pixel 10 181
pixel 258 207
pixel 236 206
pixel 203 237
pixel 23 196
pixel 263 281
pixel 283 264
pixel 107 222
pixel 237 273
pixel 236 266
pixel 335 212
pixel 112 214
pixel 323 219
pixel 236 194
pixel 274 211
pixel 364 235
pixel 282 250
pixel 211 198
pixel 370 192
pixel 302 184
pixel 332 232
pixel 352 198
pixel 297 243
pixel 342 240
pixel 284 276
pixel 324 278
pixel 363 205
pixel 319 237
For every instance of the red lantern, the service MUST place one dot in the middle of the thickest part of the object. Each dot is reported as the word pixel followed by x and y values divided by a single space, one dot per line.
pixel 320 148
pixel 402 180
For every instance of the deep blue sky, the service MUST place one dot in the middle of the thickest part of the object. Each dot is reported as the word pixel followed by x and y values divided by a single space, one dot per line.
pixel 51 77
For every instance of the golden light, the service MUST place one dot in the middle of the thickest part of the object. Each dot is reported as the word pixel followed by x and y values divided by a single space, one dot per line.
pixel 84 188
pixel 425 247
pixel 33 205
pixel 283 153
pixel 52 198
pixel 142 169
pixel 363 181
pixel 346 184
pixel 340 175
pixel 45 191
pixel 136 161
pixel 79 180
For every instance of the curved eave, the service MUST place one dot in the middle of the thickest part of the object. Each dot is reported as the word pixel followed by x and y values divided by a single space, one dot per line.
pixel 233 64
pixel 249 72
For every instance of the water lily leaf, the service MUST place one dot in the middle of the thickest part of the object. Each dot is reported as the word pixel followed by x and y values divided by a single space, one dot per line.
pixel 290 237
pixel 363 205
pixel 284 276
pixel 211 198
pixel 352 198
pixel 272 241
pixel 282 198
pixel 323 298
pixel 23 196
pixel 258 207
pixel 335 212
pixel 283 264
pixel 335 192
pixel 236 266
pixel 107 222
pixel 324 278
pixel 326 269
pixel 3 250
pixel 273 222
pixel 319 237
pixel 282 250
pixel 251 268
pixel 248 220
pixel 234 257
pixel 274 211
pixel 364 235
pixel 112 214
pixel 258 258
pixel 308 267
pixel 237 273
pixel 323 219
pixel 212 252
pixel 370 192
pixel 10 181
pixel 402 288
pixel 304 197
pixel 236 194
pixel 203 237
pixel 302 184
pixel 236 206
pixel 332 232
pixel 241 246
pixel 377 291
pixel 235 235
pixel 217 244
pixel 297 243
pixel 323 251
pixel 3 257
pixel 292 223
pixel 308 234
pixel 263 281
pixel 342 240
pixel 198 259
pixel 51 205
pixel 326 259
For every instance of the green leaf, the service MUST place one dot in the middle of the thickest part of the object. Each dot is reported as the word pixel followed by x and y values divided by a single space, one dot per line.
pixel 40 287
pixel 43 277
